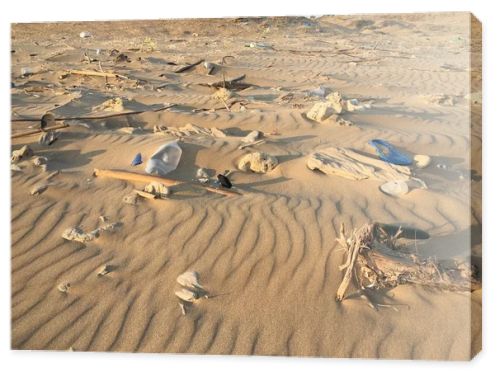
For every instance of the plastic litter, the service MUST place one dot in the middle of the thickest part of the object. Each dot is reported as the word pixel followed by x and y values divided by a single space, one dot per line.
pixel 165 159
pixel 224 181
pixel 389 153
pixel 137 160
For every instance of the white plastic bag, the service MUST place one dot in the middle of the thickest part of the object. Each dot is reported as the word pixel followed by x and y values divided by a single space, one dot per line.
pixel 165 159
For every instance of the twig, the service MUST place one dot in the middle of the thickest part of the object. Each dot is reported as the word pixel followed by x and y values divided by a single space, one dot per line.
pixel 99 74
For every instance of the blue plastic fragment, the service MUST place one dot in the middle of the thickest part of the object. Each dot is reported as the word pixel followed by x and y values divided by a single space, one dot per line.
pixel 389 153
pixel 137 160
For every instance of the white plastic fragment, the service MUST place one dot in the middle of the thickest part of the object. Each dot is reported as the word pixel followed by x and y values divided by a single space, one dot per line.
pixel 165 159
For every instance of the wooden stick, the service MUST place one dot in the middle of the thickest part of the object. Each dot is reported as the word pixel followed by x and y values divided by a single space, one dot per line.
pixel 99 74
pixel 37 131
pixel 189 66
pixel 132 176
pixel 100 116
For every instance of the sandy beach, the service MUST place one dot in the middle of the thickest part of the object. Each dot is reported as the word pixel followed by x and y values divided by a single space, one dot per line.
pixel 267 257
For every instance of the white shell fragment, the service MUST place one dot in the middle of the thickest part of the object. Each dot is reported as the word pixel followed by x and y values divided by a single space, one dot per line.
pixel 422 161
pixel 38 189
pixel 22 153
pixel 257 162
pixel 187 295
pixel 395 188
pixel 105 269
pixel 190 280
pixel 64 287
pixel 85 34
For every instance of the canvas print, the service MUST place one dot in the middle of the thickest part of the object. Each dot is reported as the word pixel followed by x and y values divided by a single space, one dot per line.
pixel 289 186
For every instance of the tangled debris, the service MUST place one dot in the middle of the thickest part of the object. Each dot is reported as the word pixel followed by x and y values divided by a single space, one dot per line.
pixel 78 235
pixel 374 261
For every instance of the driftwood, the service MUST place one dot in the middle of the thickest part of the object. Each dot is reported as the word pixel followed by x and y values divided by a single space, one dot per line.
pixel 37 131
pixel 233 83
pixel 96 73
pixel 99 117
pixel 188 66
pixel 375 262
pixel 135 177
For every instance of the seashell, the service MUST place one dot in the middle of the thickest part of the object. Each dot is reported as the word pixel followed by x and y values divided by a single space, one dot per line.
pixel 64 287
pixel 395 188
pixel 105 269
pixel 189 279
pixel 85 34
pixel 187 295
pixel 422 161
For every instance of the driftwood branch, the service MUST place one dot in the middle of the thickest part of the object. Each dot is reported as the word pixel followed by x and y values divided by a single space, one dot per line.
pixel 135 177
pixel 37 131
pixel 375 262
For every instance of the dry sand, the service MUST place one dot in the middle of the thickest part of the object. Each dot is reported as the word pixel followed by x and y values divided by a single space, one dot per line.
pixel 268 258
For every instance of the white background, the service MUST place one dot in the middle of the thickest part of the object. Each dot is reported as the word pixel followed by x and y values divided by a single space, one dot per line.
pixel 72 364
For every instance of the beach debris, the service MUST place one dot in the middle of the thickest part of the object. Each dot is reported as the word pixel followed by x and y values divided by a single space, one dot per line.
pixel 389 153
pixel 130 130
pixel 351 165
pixel 222 94
pixel 148 45
pixel 94 73
pixel 320 91
pixel 85 34
pixel 183 308
pixel 224 181
pixel 209 67
pixel 64 287
pixel 39 189
pixel 122 58
pixel 103 270
pixel 15 167
pixel 191 289
pixel 19 154
pixel 257 162
pixel 343 122
pixel 395 188
pixel 190 279
pixel 135 177
pixel 252 137
pixel 188 66
pixel 374 261
pixel 187 295
pixel 421 161
pixel 149 196
pixel 137 160
pixel 202 176
pixel 78 235
pixel 157 189
pixel 189 130
pixel 39 161
pixel 27 71
pixel 336 102
pixel 130 199
pixel 110 105
pixel 48 138
pixel 48 120
pixel 320 112
pixel 165 159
